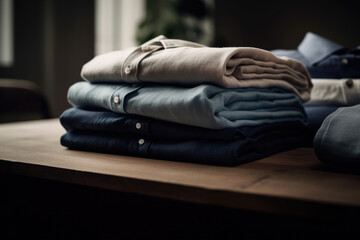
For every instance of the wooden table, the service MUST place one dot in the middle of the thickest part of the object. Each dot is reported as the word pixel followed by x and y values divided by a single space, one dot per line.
pixel 293 183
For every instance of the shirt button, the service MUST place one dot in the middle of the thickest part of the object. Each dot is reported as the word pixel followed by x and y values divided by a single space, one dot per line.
pixel 138 125
pixel 145 48
pixel 128 70
pixel 344 61
pixel 116 100
pixel 349 83
pixel 141 141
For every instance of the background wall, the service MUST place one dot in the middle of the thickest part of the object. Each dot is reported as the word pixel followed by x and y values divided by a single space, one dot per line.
pixel 282 24
pixel 54 38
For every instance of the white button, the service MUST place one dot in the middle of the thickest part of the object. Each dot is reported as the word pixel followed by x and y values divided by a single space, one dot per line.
pixel 128 70
pixel 138 125
pixel 344 61
pixel 146 48
pixel 141 141
pixel 116 100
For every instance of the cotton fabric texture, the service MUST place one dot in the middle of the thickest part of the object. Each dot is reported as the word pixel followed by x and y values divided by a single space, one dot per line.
pixel 206 106
pixel 213 152
pixel 335 92
pixel 172 61
pixel 325 58
pixel 102 121
pixel 338 139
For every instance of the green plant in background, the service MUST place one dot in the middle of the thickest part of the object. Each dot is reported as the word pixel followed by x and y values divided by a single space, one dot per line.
pixel 181 19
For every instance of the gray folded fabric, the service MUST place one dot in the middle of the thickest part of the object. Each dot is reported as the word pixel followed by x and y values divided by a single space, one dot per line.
pixel 205 105
pixel 172 61
pixel 338 139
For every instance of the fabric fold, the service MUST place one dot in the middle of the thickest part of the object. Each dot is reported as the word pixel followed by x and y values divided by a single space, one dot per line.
pixel 324 58
pixel 194 151
pixel 205 105
pixel 102 121
pixel 169 61
pixel 338 139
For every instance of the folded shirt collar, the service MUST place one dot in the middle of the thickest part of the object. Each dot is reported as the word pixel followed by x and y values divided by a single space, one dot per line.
pixel 166 43
pixel 316 48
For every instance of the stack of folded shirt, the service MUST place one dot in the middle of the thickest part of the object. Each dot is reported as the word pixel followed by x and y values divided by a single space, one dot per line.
pixel 178 100
pixel 335 73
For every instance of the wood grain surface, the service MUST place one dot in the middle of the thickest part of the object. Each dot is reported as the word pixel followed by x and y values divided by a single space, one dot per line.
pixel 293 182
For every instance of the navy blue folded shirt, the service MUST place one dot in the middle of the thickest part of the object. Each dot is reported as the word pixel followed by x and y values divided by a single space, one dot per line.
pixel 111 122
pixel 116 133
pixel 325 58
pixel 195 151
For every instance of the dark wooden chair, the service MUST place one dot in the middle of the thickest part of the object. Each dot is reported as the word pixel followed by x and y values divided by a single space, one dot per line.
pixel 21 100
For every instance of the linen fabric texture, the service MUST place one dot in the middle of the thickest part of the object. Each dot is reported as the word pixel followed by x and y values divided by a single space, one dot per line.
pixel 206 106
pixel 173 61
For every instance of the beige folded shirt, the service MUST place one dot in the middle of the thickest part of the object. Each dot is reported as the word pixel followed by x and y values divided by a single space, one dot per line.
pixel 172 61
pixel 335 92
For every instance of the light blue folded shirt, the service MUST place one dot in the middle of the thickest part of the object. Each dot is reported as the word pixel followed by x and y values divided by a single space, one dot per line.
pixel 205 105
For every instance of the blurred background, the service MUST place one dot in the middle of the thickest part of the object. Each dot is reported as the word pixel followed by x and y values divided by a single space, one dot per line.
pixel 45 43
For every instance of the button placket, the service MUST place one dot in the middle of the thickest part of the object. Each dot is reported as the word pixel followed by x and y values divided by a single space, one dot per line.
pixel 128 70
pixel 146 48
pixel 116 105
pixel 130 66
pixel 142 146
pixel 116 100
pixel 141 141
pixel 140 127
pixel 344 61
pixel 119 97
